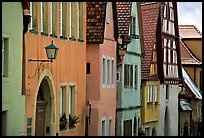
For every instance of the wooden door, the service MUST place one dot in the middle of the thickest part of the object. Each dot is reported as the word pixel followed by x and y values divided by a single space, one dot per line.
pixel 40 119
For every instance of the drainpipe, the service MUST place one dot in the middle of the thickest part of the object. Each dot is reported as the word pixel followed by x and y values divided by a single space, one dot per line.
pixel 179 111
pixel 194 75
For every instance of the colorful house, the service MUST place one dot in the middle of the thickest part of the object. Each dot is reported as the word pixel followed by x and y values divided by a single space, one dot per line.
pixel 130 49
pixel 169 70
pixel 150 82
pixel 55 87
pixel 101 69
pixel 192 67
pixel 13 100
pixel 191 39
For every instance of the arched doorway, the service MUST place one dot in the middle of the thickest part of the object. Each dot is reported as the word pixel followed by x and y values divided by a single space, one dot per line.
pixel 154 131
pixel 44 109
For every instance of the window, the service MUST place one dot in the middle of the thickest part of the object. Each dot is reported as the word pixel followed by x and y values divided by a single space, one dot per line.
pixel 132 25
pixel 41 16
pixel 70 19
pixel 62 100
pixel 110 127
pixel 108 12
pixel 149 93
pixel 4 122
pixel 135 77
pixel 30 13
pixel 50 17
pixel 81 20
pixel 128 76
pixel 127 131
pixel 103 127
pixel 104 70
pixel 60 20
pixel 156 94
pixel 118 77
pixel 72 101
pixel 87 68
pixel 5 56
pixel 108 70
pixel 112 72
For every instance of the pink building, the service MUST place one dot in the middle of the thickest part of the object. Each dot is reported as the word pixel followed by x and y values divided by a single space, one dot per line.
pixel 101 69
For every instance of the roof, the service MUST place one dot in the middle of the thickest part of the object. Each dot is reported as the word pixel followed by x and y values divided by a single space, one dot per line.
pixel 189 31
pixel 192 86
pixel 123 14
pixel 150 13
pixel 96 12
pixel 187 56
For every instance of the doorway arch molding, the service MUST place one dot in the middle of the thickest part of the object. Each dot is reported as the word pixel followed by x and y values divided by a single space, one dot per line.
pixel 47 75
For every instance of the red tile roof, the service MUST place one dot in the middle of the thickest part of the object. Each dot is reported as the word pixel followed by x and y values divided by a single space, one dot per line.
pixel 150 13
pixel 123 14
pixel 186 56
pixel 96 12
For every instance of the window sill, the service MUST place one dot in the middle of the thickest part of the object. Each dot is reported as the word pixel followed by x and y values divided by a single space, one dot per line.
pixel 72 39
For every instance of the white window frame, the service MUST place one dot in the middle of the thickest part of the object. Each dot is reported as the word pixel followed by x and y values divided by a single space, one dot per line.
pixel 104 71
pixel 110 126
pixel 136 76
pixel 70 19
pixel 31 14
pixel 112 72
pixel 60 19
pixel 108 72
pixel 156 93
pixel 63 90
pixel 151 93
pixel 3 56
pixel 51 18
pixel 41 17
pixel 148 93
pixel 78 16
pixel 70 106
pixel 103 119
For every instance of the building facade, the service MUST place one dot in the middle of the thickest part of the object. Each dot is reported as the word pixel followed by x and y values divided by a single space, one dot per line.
pixel 13 100
pixel 128 115
pixel 101 69
pixel 149 69
pixel 58 87
pixel 169 69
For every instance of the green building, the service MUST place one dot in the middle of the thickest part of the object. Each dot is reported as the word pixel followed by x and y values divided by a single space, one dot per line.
pixel 128 116
pixel 13 101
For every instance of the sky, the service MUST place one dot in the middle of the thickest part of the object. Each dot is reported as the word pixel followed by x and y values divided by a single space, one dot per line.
pixel 190 13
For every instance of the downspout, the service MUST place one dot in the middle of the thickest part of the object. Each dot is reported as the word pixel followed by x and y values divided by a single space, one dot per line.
pixel 194 77
pixel 179 111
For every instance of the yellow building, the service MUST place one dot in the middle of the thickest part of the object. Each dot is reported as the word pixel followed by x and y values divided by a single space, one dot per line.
pixel 150 82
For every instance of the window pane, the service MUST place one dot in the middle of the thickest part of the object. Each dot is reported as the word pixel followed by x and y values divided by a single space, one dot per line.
pixel 104 71
pixel 135 77
pixel 108 67
pixel 113 72
pixel 110 127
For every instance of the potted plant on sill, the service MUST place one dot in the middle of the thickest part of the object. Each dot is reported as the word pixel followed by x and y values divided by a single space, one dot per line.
pixel 73 121
pixel 63 122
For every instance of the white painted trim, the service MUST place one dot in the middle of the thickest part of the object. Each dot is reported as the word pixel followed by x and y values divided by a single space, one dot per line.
pixel 104 85
pixel 103 119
